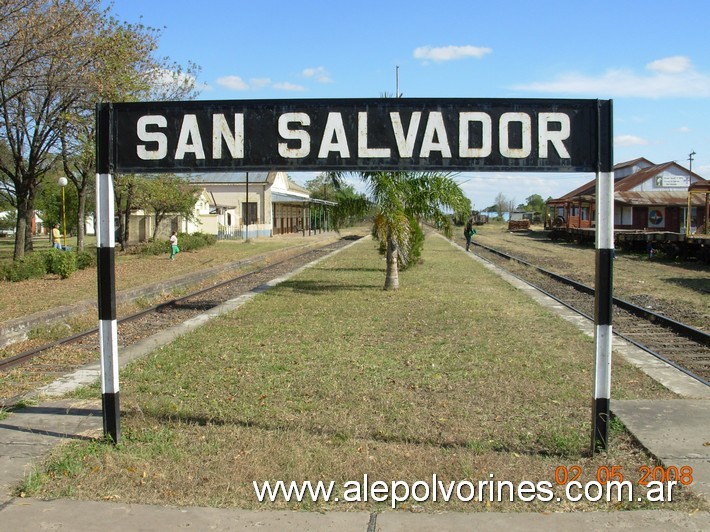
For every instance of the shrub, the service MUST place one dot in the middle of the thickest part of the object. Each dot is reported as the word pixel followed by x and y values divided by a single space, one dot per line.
pixel 86 259
pixel 62 263
pixel 416 242
pixel 195 241
pixel 185 243
pixel 31 266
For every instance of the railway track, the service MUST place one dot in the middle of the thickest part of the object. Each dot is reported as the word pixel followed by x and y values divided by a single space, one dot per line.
pixel 677 344
pixel 25 371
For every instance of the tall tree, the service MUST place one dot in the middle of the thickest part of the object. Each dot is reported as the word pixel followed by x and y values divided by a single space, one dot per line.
pixel 503 204
pixel 58 58
pixel 403 198
pixel 43 75
pixel 349 205
pixel 166 195
pixel 535 203
pixel 125 69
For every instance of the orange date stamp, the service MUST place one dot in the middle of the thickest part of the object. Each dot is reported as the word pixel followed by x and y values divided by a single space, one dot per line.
pixel 604 474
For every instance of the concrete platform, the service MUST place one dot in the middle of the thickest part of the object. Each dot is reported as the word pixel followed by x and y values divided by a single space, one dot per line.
pixel 677 432
pixel 80 516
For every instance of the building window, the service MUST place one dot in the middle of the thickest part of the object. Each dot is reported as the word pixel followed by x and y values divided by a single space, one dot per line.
pixel 249 213
pixel 623 215
pixel 585 213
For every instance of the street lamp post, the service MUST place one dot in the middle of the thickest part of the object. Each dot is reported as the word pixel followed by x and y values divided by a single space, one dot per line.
pixel 63 183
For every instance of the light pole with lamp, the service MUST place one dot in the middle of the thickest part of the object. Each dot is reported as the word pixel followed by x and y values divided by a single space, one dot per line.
pixel 63 183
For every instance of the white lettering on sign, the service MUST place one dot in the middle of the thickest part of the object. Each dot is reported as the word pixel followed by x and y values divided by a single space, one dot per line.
pixel 152 136
pixel 504 135
pixel 362 149
pixel 555 137
pixel 465 149
pixel 190 140
pixel 435 128
pixel 301 135
pixel 405 143
pixel 475 131
pixel 334 129
pixel 234 141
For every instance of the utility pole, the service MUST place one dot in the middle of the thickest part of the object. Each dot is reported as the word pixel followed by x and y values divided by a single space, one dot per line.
pixel 690 159
pixel 396 83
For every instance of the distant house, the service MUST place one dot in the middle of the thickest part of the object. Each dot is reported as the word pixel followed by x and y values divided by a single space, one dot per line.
pixel 37 228
pixel 647 196
pixel 8 223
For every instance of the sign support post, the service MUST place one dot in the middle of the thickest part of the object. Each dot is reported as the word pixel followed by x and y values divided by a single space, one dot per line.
pixel 603 292
pixel 105 263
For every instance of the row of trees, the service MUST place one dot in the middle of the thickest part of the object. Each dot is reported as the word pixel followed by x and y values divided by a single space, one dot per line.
pixel 58 58
pixel 533 203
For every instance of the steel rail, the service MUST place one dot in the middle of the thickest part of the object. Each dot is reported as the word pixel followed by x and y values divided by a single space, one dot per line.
pixel 681 328
pixel 586 289
pixel 25 356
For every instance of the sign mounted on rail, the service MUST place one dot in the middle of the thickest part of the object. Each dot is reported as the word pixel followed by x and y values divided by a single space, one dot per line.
pixel 361 134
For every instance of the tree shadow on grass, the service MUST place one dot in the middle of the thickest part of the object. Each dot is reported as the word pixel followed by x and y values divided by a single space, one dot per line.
pixel 378 270
pixel 697 284
pixel 321 431
pixel 314 287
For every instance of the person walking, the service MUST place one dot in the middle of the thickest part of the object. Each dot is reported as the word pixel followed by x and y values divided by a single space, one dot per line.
pixel 468 232
pixel 56 237
pixel 174 249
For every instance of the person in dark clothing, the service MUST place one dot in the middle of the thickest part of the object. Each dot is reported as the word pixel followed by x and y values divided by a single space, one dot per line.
pixel 468 233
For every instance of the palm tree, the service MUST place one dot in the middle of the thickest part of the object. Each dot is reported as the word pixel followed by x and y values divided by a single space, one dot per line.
pixel 403 199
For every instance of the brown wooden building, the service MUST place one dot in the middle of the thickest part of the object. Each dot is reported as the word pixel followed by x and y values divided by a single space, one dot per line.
pixel 647 197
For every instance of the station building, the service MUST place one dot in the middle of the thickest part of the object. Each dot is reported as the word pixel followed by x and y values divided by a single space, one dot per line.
pixel 647 197
pixel 241 205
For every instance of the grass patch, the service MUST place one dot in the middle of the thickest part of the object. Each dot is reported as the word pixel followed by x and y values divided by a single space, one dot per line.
pixel 327 377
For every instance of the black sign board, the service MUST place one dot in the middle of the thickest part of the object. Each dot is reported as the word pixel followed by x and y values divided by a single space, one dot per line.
pixel 360 134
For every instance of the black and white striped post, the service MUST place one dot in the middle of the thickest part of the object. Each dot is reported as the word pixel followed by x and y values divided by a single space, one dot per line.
pixel 604 285
pixel 105 254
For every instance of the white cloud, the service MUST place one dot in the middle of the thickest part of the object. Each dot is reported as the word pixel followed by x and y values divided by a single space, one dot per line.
pixel 165 77
pixel 670 65
pixel 629 140
pixel 257 83
pixel 449 53
pixel 684 129
pixel 483 187
pixel 286 86
pixel 320 74
pixel 670 77
pixel 238 84
pixel 233 82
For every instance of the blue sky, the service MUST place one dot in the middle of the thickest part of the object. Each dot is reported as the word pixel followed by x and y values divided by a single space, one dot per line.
pixel 651 57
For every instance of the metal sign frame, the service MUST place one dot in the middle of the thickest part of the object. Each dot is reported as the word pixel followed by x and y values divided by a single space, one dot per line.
pixel 397 134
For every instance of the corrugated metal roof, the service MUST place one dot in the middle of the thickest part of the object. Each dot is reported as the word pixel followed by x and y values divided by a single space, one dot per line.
pixel 639 177
pixel 281 197
pixel 679 198
pixel 228 177
pixel 624 184
pixel 631 163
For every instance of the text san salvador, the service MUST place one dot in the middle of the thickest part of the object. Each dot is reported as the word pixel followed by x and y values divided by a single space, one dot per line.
pixel 416 134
